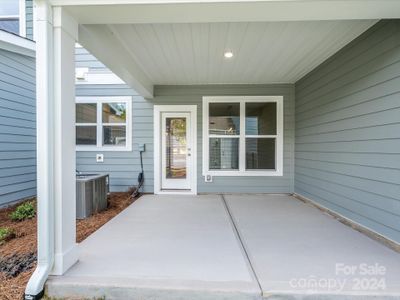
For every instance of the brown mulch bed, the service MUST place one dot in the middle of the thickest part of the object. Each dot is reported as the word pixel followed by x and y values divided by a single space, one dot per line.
pixel 18 255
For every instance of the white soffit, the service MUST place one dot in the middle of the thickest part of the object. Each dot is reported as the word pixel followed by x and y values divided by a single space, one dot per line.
pixel 264 52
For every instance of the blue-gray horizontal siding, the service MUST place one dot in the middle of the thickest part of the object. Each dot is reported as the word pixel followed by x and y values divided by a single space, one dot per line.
pixel 347 155
pixel 123 166
pixel 84 59
pixel 17 127
pixel 226 184
pixel 29 18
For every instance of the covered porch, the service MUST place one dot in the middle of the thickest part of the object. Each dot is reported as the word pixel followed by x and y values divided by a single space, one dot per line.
pixel 229 247
pixel 176 53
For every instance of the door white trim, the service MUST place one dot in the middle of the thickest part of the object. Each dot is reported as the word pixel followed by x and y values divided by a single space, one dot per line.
pixel 158 109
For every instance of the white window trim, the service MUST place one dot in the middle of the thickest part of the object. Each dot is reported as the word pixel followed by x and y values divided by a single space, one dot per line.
pixel 99 124
pixel 22 18
pixel 242 151
pixel 9 17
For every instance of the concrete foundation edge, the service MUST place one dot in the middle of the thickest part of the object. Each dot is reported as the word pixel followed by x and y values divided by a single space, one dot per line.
pixel 356 226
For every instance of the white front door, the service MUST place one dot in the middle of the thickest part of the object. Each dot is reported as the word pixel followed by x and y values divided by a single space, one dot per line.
pixel 176 150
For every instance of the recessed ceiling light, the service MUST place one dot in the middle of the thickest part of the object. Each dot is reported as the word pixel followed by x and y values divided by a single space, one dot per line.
pixel 228 54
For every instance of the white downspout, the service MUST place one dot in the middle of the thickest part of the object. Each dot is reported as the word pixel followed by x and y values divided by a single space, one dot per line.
pixel 45 149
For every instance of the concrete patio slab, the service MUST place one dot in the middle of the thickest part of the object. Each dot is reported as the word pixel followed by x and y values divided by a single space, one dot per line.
pixel 229 247
pixel 298 252
pixel 162 247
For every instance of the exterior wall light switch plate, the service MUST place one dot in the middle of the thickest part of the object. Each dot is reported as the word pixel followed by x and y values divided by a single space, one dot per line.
pixel 99 158
pixel 208 178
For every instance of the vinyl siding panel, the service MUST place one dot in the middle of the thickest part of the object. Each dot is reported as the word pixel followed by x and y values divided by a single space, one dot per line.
pixel 17 127
pixel 29 18
pixel 83 59
pixel 347 151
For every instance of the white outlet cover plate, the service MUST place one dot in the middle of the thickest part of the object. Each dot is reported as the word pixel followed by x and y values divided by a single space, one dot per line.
pixel 99 158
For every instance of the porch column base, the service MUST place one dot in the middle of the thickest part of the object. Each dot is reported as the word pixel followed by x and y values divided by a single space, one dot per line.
pixel 64 261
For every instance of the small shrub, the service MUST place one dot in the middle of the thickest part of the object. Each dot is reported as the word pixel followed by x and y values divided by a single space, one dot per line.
pixel 6 234
pixel 24 211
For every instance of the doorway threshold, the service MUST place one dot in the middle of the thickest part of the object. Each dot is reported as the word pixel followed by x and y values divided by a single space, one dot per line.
pixel 175 192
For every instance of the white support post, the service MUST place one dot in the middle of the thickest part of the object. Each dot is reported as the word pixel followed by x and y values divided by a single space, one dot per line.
pixel 65 33
pixel 55 117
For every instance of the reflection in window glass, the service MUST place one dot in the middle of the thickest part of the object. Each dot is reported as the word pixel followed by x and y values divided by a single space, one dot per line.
pixel 224 118
pixel 260 153
pixel 175 148
pixel 261 118
pixel 86 113
pixel 9 8
pixel 114 135
pixel 224 154
pixel 10 25
pixel 9 16
pixel 114 112
pixel 85 135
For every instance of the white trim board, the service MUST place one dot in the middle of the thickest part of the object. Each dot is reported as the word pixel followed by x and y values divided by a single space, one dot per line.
pixel 22 18
pixel 195 11
pixel 157 110
pixel 99 78
pixel 14 43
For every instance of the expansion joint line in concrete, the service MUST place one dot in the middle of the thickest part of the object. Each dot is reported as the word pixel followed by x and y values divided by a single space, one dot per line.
pixel 242 245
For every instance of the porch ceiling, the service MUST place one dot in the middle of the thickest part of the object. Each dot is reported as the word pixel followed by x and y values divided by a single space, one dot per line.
pixel 264 52
pixel 184 54
pixel 182 42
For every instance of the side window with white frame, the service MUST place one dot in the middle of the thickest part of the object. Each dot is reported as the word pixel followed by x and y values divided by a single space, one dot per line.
pixel 243 135
pixel 12 16
pixel 103 123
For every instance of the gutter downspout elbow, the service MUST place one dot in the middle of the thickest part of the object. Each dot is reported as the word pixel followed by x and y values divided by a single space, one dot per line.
pixel 35 288
pixel 45 252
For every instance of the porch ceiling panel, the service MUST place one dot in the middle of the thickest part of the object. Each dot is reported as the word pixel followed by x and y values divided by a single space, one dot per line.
pixel 264 52
pixel 102 43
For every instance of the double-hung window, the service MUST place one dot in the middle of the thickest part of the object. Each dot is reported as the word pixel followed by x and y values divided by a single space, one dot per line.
pixel 103 123
pixel 243 135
